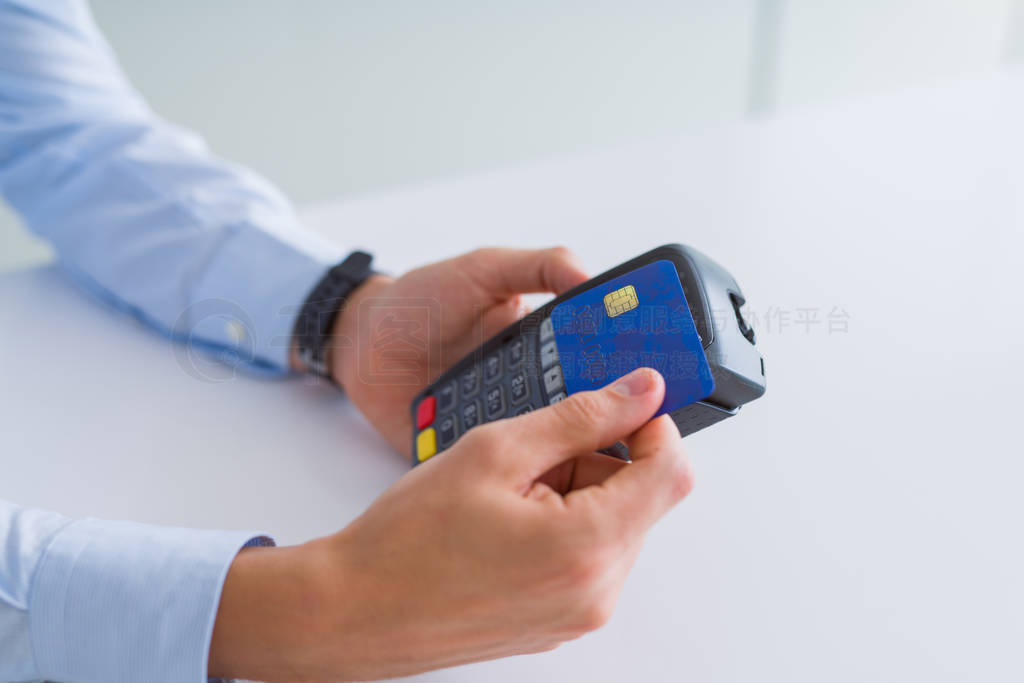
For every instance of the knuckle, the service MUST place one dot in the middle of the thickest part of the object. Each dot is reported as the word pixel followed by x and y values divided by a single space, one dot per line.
pixel 485 440
pixel 478 254
pixel 596 529
pixel 477 261
pixel 582 409
pixel 595 613
pixel 681 477
pixel 585 567
pixel 561 253
pixel 577 568
pixel 546 646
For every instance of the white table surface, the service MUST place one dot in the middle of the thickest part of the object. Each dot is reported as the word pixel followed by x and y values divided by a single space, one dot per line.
pixel 861 522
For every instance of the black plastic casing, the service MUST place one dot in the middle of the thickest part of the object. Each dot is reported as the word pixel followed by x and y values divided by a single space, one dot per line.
pixel 714 299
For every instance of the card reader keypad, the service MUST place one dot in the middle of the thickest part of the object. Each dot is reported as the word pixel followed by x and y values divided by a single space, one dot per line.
pixel 492 367
pixel 519 387
pixel 520 376
pixel 470 415
pixel 548 354
pixel 446 431
pixel 514 352
pixel 553 380
pixel 446 398
pixel 495 403
pixel 470 382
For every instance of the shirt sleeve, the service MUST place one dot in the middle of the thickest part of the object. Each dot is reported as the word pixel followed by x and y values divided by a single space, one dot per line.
pixel 138 210
pixel 93 600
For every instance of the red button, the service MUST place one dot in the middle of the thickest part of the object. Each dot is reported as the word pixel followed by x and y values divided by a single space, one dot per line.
pixel 425 412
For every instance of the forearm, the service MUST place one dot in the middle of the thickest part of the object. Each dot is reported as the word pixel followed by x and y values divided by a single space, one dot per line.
pixel 307 612
pixel 138 210
pixel 271 613
pixel 341 608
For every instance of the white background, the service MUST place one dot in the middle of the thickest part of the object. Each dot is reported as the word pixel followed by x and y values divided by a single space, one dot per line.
pixel 341 98
pixel 860 522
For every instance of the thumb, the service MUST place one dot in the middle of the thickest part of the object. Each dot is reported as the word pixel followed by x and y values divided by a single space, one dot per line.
pixel 659 476
pixel 584 422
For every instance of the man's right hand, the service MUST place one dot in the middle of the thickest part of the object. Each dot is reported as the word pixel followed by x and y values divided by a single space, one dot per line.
pixel 516 539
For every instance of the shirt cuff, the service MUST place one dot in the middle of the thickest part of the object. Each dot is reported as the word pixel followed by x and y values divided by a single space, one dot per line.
pixel 120 601
pixel 244 304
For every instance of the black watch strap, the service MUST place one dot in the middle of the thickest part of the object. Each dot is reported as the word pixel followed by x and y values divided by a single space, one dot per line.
pixel 322 306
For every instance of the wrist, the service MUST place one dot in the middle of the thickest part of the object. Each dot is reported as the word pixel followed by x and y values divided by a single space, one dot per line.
pixel 347 339
pixel 336 344
pixel 273 607
pixel 312 328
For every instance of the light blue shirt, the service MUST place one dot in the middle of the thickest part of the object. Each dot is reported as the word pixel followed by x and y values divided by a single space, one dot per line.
pixel 140 213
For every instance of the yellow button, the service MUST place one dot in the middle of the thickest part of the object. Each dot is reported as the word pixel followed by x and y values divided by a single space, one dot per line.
pixel 426 444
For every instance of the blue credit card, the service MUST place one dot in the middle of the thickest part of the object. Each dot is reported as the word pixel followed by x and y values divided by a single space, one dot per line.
pixel 639 319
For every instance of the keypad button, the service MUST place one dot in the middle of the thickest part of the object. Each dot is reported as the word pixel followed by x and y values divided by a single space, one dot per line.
pixel 446 430
pixel 425 412
pixel 547 330
pixel 495 401
pixel 470 415
pixel 548 354
pixel 470 381
pixel 426 444
pixel 560 396
pixel 514 352
pixel 553 380
pixel 520 388
pixel 524 410
pixel 446 397
pixel 492 367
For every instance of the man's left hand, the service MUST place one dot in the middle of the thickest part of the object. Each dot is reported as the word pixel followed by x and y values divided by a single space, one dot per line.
pixel 395 336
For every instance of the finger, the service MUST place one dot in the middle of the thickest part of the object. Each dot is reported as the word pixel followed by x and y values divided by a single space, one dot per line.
pixel 501 315
pixel 559 477
pixel 583 470
pixel 504 272
pixel 659 476
pixel 594 469
pixel 543 493
pixel 582 423
pixel 490 322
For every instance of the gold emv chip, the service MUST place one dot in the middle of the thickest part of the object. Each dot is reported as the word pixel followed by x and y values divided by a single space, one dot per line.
pixel 621 300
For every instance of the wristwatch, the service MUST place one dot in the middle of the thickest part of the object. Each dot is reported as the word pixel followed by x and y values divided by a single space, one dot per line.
pixel 322 307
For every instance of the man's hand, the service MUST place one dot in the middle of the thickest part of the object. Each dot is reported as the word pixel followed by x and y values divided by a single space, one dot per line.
pixel 514 540
pixel 396 336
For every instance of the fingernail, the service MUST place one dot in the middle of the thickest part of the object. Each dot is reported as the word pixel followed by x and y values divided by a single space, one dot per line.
pixel 638 382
